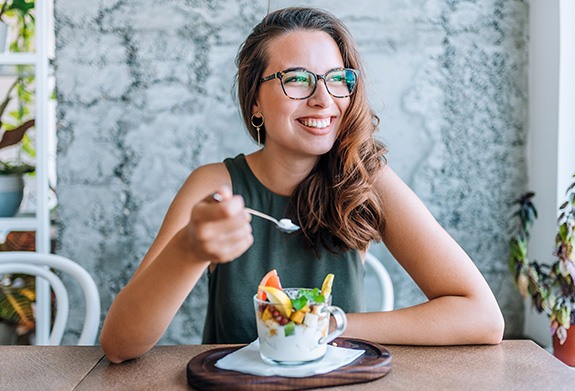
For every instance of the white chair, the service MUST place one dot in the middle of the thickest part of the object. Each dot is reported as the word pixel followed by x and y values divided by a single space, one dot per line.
pixel 374 267
pixel 32 263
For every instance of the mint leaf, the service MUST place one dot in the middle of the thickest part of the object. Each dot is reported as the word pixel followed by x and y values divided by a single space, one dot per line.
pixel 312 295
pixel 309 293
pixel 299 302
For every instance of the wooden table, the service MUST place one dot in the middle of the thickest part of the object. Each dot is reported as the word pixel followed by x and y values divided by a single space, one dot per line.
pixel 512 365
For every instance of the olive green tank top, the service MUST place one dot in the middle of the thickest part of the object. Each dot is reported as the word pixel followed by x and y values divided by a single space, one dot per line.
pixel 231 286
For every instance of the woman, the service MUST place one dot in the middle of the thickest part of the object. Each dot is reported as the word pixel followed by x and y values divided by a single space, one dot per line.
pixel 303 100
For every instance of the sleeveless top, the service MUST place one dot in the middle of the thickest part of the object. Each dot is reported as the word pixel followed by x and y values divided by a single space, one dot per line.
pixel 230 314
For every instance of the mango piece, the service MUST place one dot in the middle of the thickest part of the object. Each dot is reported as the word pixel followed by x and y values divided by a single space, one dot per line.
pixel 297 317
pixel 267 314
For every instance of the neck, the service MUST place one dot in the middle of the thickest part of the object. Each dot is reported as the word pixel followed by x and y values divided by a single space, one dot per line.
pixel 281 173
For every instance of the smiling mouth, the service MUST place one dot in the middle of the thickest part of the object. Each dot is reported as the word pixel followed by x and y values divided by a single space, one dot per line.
pixel 315 123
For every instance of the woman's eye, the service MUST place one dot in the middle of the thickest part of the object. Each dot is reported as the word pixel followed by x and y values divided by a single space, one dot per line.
pixel 336 79
pixel 296 79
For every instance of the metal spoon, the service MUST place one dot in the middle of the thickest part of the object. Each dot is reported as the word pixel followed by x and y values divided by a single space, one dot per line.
pixel 284 225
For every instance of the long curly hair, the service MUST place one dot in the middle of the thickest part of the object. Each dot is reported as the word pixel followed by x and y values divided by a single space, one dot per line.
pixel 336 204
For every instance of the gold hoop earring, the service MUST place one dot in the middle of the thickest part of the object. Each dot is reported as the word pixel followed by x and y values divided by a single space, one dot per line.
pixel 260 116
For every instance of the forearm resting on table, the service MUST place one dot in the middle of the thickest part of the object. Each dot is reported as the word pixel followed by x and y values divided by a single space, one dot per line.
pixel 448 320
pixel 143 310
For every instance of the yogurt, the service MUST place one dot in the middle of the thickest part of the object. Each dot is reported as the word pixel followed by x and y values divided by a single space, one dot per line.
pixel 290 336
pixel 286 346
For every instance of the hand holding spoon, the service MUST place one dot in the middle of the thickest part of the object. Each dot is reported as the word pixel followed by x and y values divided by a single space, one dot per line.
pixel 284 225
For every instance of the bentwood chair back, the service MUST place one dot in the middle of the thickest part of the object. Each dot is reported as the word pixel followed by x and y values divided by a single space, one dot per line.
pixel 41 265
pixel 373 267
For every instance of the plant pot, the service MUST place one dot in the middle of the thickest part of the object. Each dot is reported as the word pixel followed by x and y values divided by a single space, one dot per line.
pixel 7 334
pixel 11 193
pixel 565 352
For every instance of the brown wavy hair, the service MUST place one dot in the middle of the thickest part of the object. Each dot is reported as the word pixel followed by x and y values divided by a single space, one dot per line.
pixel 336 204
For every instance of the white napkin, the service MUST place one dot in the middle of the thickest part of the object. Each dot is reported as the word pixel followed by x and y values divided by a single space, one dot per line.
pixel 248 360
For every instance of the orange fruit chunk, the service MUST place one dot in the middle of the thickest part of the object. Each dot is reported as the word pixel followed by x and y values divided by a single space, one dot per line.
pixel 270 279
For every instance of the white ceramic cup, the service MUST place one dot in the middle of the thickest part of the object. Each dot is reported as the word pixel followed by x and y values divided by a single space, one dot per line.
pixel 294 343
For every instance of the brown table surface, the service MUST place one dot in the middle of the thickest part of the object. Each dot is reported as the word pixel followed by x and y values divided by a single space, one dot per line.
pixel 512 365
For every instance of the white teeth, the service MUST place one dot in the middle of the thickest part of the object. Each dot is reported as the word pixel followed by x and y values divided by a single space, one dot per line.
pixel 316 123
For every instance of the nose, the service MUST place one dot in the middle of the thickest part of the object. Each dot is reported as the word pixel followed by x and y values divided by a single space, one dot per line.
pixel 320 96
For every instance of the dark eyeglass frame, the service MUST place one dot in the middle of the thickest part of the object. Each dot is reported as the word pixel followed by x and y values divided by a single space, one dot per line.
pixel 279 75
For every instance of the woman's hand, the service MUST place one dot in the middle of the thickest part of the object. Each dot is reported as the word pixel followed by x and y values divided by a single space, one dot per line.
pixel 219 231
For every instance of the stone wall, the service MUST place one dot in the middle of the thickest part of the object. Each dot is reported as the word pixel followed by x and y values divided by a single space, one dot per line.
pixel 144 97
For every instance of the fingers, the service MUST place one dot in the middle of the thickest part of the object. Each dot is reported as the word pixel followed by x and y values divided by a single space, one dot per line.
pixel 220 205
pixel 222 194
pixel 219 228
pixel 228 245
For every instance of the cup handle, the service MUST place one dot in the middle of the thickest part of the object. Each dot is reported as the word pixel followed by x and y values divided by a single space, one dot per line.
pixel 340 321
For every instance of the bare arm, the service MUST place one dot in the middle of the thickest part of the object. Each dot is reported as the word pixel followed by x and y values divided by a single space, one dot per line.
pixel 461 307
pixel 195 233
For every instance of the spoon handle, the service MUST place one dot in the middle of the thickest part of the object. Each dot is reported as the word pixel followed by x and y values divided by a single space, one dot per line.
pixel 218 198
pixel 262 215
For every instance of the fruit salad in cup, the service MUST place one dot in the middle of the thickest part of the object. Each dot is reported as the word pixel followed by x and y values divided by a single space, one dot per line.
pixel 293 323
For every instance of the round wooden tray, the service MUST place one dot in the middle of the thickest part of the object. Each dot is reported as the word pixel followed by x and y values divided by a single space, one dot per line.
pixel 373 364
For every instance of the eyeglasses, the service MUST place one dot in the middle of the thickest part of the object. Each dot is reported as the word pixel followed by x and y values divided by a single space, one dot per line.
pixel 299 83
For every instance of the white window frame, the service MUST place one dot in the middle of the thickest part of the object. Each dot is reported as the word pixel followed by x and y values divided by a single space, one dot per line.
pixel 551 140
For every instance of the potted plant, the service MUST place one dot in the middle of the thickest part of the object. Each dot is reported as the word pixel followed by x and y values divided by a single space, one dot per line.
pixel 13 125
pixel 551 287
pixel 18 296
pixel 11 173
pixel 17 299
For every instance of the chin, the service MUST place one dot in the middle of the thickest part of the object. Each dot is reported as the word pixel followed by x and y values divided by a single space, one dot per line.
pixel 320 150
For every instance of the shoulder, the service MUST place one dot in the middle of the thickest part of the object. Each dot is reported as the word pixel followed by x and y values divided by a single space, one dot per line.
pixel 210 170
pixel 204 180
pixel 387 182
pixel 403 208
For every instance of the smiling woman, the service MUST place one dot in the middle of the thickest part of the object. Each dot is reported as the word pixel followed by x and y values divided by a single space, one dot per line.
pixel 303 98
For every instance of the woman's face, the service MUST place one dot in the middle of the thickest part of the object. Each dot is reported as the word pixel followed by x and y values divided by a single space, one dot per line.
pixel 304 127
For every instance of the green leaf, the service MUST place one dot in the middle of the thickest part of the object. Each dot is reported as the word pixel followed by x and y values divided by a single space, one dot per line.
pixel 319 298
pixel 10 169
pixel 22 6
pixel 563 232
pixel 564 315
pixel 16 303
pixel 518 249
pixel 299 302
pixel 308 293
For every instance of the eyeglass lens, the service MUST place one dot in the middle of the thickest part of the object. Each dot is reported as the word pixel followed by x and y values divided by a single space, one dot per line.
pixel 300 84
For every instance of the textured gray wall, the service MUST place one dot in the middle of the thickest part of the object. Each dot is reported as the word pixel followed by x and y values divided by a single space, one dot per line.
pixel 144 98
